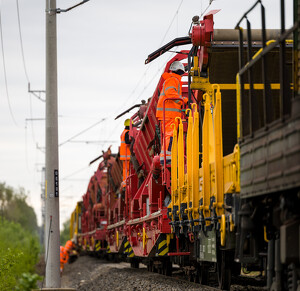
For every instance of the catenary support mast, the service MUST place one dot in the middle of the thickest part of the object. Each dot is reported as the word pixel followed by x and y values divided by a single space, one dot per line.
pixel 52 242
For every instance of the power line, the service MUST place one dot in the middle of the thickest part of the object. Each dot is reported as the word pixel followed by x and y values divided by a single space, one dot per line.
pixel 74 173
pixel 210 2
pixel 154 76
pixel 81 132
pixel 176 13
pixel 21 41
pixel 149 66
pixel 25 71
pixel 4 70
pixel 93 141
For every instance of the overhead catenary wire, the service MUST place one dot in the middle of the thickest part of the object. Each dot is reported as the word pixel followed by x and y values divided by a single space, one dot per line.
pixel 27 77
pixel 4 71
pixel 36 93
pixel 21 41
pixel 74 173
pixel 93 141
pixel 174 17
pixel 149 66
pixel 140 80
pixel 176 14
pixel 146 70
pixel 210 2
pixel 83 131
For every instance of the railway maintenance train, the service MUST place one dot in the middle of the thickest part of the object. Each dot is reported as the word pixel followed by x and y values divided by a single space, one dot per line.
pixel 229 201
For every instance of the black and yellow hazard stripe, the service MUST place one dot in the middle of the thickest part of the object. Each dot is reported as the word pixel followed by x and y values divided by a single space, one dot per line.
pixel 126 246
pixel 128 249
pixel 130 253
pixel 108 249
pixel 98 246
pixel 162 248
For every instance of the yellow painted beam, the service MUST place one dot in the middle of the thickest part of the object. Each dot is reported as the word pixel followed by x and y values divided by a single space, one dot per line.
pixel 258 86
pixel 195 163
pixel 189 156
pixel 174 173
pixel 218 151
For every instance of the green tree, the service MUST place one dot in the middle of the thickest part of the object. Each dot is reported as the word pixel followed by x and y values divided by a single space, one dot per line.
pixel 65 233
pixel 19 244
pixel 19 250
pixel 15 208
pixel 8 260
pixel 6 194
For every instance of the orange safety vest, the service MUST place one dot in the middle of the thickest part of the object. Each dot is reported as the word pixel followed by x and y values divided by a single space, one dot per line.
pixel 63 257
pixel 171 89
pixel 124 148
pixel 68 246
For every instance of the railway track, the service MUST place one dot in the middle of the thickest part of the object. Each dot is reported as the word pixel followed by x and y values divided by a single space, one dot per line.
pixel 90 273
pixel 240 283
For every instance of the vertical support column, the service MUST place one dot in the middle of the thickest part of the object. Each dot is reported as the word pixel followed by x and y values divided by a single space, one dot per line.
pixel 52 191
pixel 195 163
pixel 189 157
pixel 278 267
pixel 218 152
pixel 238 107
pixel 285 101
pixel 180 161
pixel 174 173
pixel 267 98
pixel 244 124
pixel 205 193
pixel 253 106
pixel 270 263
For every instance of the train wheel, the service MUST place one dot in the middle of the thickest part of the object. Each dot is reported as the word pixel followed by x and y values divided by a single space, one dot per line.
pixel 151 266
pixel 167 267
pixel 191 276
pixel 224 269
pixel 134 263
pixel 116 258
pixel 196 277
pixel 160 270
pixel 203 275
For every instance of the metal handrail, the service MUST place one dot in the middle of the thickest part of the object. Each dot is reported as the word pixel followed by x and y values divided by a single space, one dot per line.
pixel 164 132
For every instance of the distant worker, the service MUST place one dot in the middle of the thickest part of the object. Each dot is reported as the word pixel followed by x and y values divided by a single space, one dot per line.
pixel 172 88
pixel 69 246
pixel 125 151
pixel 63 259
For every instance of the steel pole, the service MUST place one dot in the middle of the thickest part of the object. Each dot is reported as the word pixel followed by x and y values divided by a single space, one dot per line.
pixel 52 192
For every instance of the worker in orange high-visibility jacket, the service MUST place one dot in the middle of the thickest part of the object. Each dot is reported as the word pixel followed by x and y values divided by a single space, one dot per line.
pixel 172 88
pixel 69 246
pixel 125 150
pixel 63 258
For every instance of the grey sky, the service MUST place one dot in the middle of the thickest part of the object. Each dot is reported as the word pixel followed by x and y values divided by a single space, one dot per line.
pixel 102 46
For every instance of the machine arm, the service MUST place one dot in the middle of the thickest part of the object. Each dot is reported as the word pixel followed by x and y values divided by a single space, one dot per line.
pixel 128 110
pixel 175 42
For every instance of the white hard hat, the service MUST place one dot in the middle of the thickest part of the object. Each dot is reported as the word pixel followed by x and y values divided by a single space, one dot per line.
pixel 177 66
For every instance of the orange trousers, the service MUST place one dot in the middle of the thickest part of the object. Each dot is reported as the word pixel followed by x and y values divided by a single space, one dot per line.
pixel 125 169
pixel 62 266
pixel 167 136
